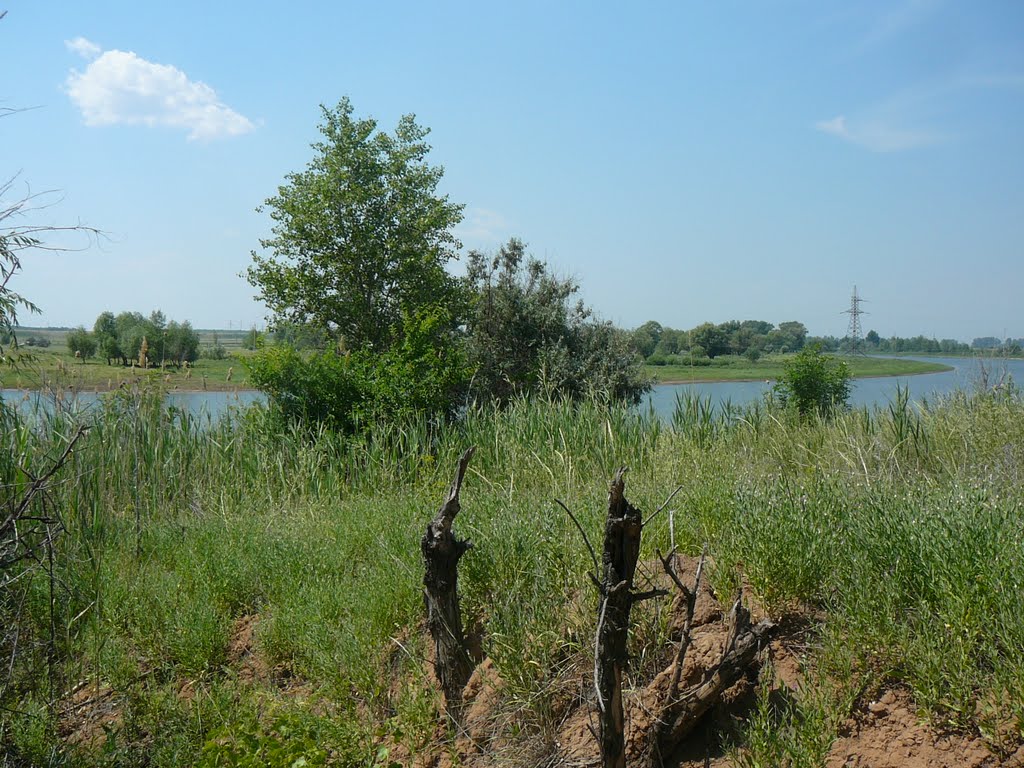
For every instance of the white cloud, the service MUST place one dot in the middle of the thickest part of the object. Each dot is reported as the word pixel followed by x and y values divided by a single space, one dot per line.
pixel 875 135
pixel 482 228
pixel 84 48
pixel 121 88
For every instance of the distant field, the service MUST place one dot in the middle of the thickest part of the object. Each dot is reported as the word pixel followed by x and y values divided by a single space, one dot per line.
pixel 741 369
pixel 53 367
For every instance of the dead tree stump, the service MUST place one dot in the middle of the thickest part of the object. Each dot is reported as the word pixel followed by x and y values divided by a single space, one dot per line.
pixel 441 553
pixel 621 550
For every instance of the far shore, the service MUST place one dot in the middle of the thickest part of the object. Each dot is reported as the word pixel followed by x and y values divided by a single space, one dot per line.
pixel 668 382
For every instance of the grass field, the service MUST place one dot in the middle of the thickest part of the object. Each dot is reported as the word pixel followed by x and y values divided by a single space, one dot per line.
pixel 239 592
pixel 54 368
pixel 770 368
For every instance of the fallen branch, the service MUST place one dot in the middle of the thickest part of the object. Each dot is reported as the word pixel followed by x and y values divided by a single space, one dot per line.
pixel 681 712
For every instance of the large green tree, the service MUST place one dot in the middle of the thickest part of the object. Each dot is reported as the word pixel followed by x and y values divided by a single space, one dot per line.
pixel 361 237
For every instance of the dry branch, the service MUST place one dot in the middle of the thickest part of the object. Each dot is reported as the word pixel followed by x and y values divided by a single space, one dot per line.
pixel 691 602
pixel 441 553
pixel 621 551
pixel 12 542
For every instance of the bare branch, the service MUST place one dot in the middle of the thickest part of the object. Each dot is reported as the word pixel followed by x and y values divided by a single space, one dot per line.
pixel 664 504
pixel 586 539
pixel 39 483
pixel 691 604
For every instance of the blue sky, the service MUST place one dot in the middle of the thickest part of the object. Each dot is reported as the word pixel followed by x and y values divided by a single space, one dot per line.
pixel 684 161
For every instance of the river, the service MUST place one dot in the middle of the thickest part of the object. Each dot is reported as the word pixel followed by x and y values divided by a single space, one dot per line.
pixel 203 404
pixel 966 374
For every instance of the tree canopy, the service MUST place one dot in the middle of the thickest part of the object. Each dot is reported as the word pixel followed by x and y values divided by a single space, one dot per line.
pixel 526 333
pixel 360 236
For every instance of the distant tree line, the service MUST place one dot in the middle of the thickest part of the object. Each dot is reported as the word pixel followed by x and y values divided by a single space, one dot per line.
pixel 1006 346
pixel 923 345
pixel 129 337
pixel 661 345
pixel 29 341
pixel 873 342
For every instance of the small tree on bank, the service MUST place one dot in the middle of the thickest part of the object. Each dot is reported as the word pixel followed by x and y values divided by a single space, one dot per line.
pixel 357 258
pixel 814 383
pixel 81 343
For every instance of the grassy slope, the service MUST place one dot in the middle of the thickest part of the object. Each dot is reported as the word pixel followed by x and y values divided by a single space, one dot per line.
pixel 741 369
pixel 903 531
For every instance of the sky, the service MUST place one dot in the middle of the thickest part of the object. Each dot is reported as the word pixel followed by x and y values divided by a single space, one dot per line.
pixel 683 161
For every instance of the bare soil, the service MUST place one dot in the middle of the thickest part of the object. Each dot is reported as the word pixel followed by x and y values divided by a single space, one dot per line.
pixel 882 733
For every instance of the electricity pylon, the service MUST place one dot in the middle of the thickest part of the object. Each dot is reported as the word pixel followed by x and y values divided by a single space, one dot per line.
pixel 853 334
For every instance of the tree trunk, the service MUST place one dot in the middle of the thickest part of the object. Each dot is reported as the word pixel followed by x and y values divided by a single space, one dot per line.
pixel 441 554
pixel 621 550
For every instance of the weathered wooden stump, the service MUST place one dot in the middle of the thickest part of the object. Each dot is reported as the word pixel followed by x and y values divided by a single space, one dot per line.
pixel 441 553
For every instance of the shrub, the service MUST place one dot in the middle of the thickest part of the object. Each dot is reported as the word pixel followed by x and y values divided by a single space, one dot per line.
pixel 320 388
pixel 814 383
pixel 423 374
pixel 526 334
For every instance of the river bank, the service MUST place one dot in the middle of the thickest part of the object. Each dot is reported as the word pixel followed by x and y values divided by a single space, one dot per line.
pixel 770 369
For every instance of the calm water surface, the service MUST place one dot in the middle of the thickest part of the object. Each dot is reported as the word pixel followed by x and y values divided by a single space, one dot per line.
pixel 966 374
pixel 205 404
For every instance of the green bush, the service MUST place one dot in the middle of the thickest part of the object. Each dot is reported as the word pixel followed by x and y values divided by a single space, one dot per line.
pixel 323 387
pixel 814 383
pixel 424 373
pixel 81 343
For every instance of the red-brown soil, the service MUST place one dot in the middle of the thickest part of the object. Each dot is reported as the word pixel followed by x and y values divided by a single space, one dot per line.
pixel 884 733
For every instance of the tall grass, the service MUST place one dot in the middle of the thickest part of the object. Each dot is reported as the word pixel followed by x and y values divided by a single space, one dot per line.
pixel 901 527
